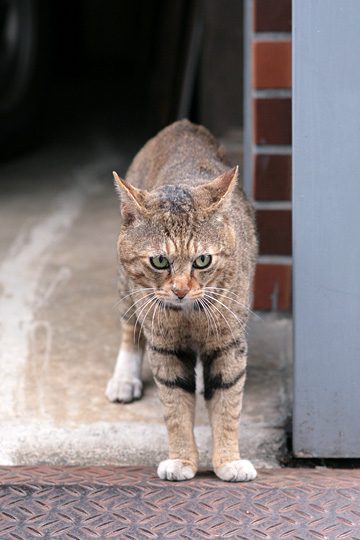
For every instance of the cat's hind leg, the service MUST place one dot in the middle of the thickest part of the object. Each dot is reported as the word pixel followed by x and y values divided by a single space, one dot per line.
pixel 126 385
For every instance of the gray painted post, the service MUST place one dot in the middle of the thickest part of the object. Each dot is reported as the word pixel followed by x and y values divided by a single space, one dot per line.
pixel 248 130
pixel 326 217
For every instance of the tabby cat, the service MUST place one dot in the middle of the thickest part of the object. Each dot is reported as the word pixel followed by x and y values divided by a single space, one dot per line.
pixel 187 248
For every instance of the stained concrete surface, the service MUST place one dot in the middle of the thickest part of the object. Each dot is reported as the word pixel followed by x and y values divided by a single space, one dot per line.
pixel 60 326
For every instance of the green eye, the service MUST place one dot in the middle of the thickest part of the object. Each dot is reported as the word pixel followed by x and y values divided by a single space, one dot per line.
pixel 203 261
pixel 160 262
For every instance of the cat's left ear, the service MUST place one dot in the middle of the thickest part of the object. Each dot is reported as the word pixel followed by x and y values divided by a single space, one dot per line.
pixel 132 199
pixel 218 192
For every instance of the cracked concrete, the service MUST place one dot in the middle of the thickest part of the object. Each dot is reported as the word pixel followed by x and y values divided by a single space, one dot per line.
pixel 60 328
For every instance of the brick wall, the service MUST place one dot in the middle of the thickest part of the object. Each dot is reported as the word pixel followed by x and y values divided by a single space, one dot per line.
pixel 267 145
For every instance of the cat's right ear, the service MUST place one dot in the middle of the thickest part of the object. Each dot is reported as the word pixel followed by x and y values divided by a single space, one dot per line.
pixel 132 199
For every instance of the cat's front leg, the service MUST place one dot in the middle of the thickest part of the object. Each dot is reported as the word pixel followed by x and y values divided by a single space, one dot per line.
pixel 125 385
pixel 174 374
pixel 224 379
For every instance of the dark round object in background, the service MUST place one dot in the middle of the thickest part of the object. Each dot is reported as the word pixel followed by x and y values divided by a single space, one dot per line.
pixel 20 74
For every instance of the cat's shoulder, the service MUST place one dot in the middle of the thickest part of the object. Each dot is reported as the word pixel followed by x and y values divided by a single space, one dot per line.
pixel 185 127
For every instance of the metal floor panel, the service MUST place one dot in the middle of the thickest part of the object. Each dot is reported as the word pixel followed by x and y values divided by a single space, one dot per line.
pixel 79 503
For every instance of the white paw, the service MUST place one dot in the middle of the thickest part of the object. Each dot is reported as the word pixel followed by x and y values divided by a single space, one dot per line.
pixel 240 470
pixel 123 390
pixel 175 469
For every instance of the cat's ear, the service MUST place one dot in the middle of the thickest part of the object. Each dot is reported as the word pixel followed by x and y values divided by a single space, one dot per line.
pixel 218 192
pixel 132 199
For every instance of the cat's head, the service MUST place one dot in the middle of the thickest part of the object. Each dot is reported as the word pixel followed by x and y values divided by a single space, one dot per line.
pixel 178 240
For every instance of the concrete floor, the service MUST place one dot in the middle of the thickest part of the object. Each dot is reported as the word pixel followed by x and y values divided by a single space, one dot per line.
pixel 60 328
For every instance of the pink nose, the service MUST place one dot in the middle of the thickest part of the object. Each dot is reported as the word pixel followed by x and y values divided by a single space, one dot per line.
pixel 180 293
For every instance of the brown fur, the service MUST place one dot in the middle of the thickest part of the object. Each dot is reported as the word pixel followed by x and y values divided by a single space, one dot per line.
pixel 180 199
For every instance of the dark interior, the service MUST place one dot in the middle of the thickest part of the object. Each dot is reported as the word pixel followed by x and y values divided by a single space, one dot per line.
pixel 126 67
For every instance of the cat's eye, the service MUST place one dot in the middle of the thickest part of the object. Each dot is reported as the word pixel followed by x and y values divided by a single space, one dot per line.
pixel 160 262
pixel 203 261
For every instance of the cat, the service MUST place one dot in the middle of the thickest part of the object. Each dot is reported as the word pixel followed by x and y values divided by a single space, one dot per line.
pixel 187 249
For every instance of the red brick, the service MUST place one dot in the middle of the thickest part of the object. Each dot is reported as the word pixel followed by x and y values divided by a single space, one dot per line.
pixel 272 287
pixel 272 64
pixel 272 121
pixel 272 15
pixel 272 177
pixel 274 230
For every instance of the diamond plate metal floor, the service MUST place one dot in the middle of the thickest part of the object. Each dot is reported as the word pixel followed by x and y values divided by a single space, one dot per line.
pixel 131 503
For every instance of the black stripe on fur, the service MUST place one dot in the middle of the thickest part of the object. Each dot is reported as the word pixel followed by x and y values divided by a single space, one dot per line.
pixel 209 356
pixel 213 383
pixel 185 383
pixel 186 356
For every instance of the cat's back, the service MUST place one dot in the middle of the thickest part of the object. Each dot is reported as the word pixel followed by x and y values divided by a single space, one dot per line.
pixel 182 152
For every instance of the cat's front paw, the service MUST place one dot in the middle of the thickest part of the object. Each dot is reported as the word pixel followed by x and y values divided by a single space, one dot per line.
pixel 175 470
pixel 240 470
pixel 124 391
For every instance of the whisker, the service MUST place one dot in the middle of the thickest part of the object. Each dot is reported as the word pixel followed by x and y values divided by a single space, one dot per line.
pixel 162 310
pixel 209 306
pixel 134 304
pixel 244 306
pixel 211 313
pixel 225 319
pixel 147 302
pixel 165 314
pixel 214 289
pixel 204 308
pixel 134 291
pixel 154 301
pixel 229 310
pixel 158 303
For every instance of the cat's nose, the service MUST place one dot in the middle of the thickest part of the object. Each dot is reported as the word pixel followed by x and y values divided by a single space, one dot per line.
pixel 180 293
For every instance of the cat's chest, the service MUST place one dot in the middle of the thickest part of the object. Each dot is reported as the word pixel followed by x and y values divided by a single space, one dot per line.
pixel 180 330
